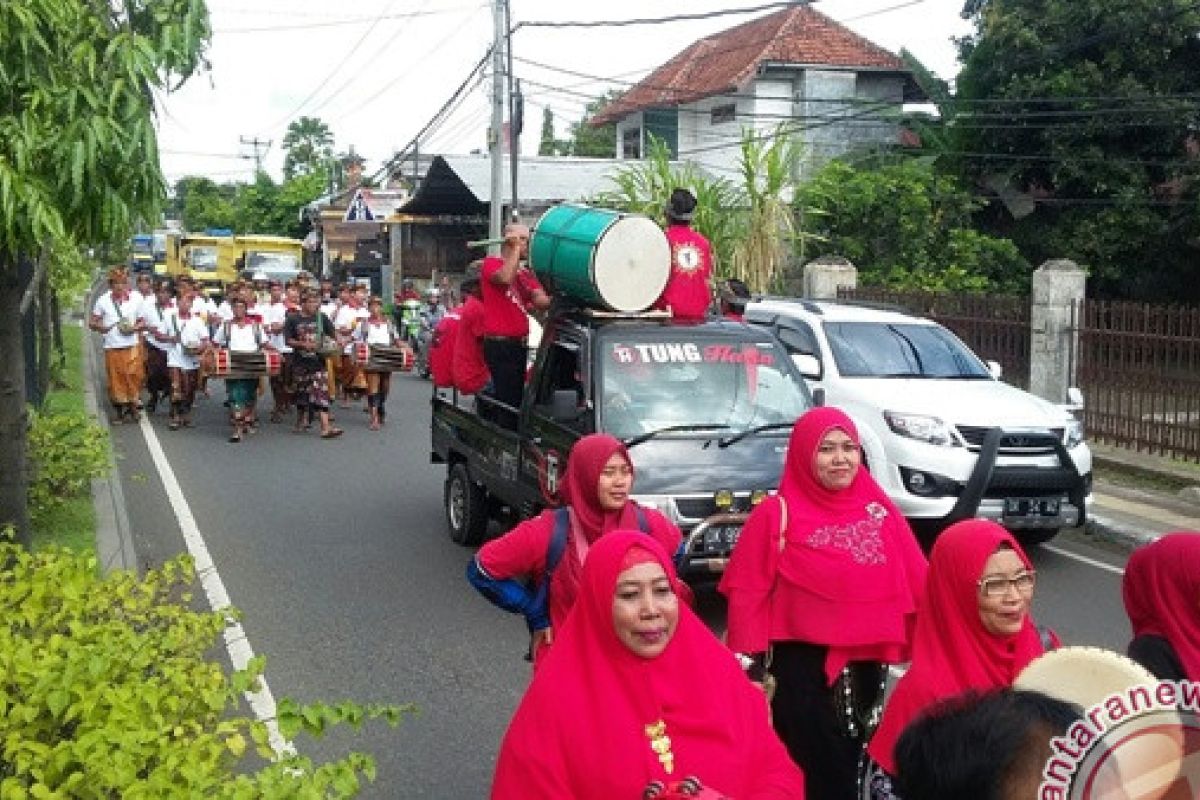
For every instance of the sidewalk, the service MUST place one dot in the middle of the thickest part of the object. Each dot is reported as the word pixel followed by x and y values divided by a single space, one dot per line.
pixel 1132 516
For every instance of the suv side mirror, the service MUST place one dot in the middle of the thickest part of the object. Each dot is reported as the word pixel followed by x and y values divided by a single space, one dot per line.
pixel 563 407
pixel 808 364
pixel 995 369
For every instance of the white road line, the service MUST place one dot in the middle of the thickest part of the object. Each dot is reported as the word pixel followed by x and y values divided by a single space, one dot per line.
pixel 262 702
pixel 1091 562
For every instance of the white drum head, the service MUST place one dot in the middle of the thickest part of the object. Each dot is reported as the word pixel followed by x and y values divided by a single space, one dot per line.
pixel 631 264
pixel 1082 675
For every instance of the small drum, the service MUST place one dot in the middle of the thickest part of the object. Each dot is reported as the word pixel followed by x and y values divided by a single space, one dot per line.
pixel 381 358
pixel 600 258
pixel 230 364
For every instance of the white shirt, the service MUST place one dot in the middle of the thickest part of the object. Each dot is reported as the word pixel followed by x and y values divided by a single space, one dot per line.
pixel 224 311
pixel 347 320
pixel 191 332
pixel 375 332
pixel 153 316
pixel 275 314
pixel 330 308
pixel 111 313
pixel 242 338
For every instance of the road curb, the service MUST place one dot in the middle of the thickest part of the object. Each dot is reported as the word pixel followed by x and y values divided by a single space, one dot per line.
pixel 1143 468
pixel 1121 534
pixel 114 535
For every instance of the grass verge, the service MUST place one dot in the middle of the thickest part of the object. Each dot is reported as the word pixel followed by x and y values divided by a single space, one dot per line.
pixel 72 523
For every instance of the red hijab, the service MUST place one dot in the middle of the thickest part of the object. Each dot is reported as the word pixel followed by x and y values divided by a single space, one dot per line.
pixel 581 486
pixel 851 571
pixel 952 652
pixel 580 731
pixel 1162 595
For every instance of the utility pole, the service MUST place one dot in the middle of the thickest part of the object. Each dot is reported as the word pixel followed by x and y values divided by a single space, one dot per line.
pixel 516 115
pixel 497 140
pixel 258 155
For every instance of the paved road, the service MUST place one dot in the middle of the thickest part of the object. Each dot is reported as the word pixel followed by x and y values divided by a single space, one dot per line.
pixel 337 554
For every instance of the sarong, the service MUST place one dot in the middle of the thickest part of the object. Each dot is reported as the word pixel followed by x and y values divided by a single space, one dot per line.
pixel 122 367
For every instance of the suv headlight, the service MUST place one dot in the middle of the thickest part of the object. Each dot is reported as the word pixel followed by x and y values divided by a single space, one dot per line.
pixel 1073 437
pixel 930 430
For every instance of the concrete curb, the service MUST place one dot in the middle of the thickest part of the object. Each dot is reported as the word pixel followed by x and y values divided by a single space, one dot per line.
pixel 1125 536
pixel 1143 467
pixel 114 535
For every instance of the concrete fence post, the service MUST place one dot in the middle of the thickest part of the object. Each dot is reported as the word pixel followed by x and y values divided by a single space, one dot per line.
pixel 825 275
pixel 1057 286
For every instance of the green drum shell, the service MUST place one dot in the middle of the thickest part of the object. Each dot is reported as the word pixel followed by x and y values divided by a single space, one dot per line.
pixel 571 241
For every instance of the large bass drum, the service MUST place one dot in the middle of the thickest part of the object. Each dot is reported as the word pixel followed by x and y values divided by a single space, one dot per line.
pixel 600 258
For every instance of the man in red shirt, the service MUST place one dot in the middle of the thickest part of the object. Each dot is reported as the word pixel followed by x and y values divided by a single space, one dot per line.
pixel 509 291
pixel 687 294
pixel 468 370
pixel 444 340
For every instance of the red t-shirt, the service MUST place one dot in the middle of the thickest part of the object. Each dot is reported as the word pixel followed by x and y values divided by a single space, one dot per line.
pixel 687 292
pixel 441 350
pixel 506 305
pixel 470 371
pixel 522 552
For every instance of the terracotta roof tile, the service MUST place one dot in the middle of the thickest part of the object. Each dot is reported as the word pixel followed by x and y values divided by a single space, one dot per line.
pixel 726 61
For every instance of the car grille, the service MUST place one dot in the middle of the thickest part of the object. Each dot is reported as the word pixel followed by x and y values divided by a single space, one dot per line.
pixel 1014 443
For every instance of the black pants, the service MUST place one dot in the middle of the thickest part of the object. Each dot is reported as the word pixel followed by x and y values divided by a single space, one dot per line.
pixel 506 359
pixel 806 718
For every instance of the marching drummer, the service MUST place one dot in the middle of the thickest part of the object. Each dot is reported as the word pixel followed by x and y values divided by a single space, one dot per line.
pixel 240 335
pixel 510 290
pixel 688 294
pixel 186 336
pixel 274 314
pixel 377 329
pixel 306 333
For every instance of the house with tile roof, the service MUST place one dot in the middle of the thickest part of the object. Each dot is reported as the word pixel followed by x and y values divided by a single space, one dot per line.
pixel 796 67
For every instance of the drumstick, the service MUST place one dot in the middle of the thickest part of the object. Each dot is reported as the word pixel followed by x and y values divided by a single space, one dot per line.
pixel 486 242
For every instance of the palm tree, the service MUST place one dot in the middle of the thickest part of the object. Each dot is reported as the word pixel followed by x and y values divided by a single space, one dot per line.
pixel 309 146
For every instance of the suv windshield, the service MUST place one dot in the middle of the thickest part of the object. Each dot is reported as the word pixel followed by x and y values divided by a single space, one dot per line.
pixel 674 379
pixel 264 261
pixel 900 350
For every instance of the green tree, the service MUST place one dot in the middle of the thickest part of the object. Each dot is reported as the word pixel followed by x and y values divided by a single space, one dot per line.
pixel 1080 115
pixel 590 140
pixel 309 146
pixel 904 225
pixel 203 204
pixel 78 155
pixel 548 145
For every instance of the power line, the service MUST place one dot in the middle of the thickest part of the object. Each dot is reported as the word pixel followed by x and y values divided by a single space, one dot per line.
pixel 624 23
pixel 346 22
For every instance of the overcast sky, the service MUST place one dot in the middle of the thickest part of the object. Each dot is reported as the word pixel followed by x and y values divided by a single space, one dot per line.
pixel 377 70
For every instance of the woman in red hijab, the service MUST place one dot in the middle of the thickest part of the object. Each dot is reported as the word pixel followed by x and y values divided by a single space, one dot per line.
pixel 1162 597
pixel 637 691
pixel 973 631
pixel 599 480
pixel 824 581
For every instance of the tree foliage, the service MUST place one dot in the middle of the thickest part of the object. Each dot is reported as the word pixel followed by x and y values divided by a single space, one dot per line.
pixel 262 206
pixel 78 154
pixel 547 144
pixel 1080 116
pixel 109 692
pixel 309 146
pixel 593 141
pixel 906 226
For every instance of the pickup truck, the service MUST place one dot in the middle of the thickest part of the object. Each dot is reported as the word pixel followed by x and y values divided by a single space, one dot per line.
pixel 704 408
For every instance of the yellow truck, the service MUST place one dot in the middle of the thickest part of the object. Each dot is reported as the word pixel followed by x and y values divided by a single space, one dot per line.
pixel 207 257
pixel 277 257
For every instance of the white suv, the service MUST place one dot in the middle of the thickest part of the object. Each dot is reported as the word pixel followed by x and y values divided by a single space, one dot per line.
pixel 943 436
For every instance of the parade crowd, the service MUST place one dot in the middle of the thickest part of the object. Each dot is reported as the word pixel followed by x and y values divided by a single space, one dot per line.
pixel 632 696
pixel 306 344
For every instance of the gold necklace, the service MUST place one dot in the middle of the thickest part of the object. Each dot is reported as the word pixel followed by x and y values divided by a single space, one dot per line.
pixel 660 743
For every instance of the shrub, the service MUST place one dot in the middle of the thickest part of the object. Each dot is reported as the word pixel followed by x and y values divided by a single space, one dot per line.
pixel 106 692
pixel 66 450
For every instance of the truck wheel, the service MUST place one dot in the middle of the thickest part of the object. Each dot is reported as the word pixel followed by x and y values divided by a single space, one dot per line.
pixel 466 507
pixel 1032 538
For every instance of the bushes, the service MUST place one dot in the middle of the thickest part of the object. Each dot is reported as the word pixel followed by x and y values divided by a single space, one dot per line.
pixel 66 450
pixel 106 693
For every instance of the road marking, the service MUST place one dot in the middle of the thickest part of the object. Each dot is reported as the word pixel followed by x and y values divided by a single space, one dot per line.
pixel 262 702
pixel 1083 559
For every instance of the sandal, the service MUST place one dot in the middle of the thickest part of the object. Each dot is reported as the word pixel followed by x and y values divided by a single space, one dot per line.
pixel 173 425
pixel 237 437
pixel 332 433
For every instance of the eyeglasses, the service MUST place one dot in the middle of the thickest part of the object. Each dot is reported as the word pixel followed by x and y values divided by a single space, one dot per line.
pixel 997 585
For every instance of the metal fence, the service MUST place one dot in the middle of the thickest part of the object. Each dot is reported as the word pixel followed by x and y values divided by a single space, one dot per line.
pixel 1139 368
pixel 996 327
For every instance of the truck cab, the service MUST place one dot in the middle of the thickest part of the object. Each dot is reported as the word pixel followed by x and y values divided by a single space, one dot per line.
pixel 704 408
